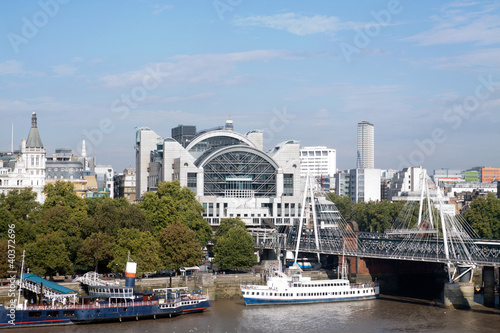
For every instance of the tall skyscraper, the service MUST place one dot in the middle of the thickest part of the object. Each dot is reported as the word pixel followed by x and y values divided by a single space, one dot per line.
pixel 366 150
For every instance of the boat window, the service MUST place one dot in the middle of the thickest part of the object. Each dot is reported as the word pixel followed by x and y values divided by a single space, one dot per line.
pixel 70 313
pixel 52 313
pixel 33 314
pixel 253 293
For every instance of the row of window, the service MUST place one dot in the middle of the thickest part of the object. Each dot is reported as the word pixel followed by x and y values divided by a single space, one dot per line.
pixel 296 285
pixel 332 293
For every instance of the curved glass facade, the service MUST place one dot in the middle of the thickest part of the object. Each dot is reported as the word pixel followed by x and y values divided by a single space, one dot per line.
pixel 216 141
pixel 239 174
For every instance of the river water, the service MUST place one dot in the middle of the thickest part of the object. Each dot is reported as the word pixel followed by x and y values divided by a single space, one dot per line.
pixel 386 314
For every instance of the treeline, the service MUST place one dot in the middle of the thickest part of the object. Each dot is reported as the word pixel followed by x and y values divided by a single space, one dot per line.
pixel 67 233
pixel 483 214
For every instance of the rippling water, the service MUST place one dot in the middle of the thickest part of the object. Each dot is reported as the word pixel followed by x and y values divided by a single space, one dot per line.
pixel 382 315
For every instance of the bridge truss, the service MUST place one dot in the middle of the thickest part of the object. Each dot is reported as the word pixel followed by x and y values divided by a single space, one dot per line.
pixel 422 232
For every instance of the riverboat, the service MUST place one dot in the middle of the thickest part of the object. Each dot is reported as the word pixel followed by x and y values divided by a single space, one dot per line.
pixel 104 303
pixel 297 289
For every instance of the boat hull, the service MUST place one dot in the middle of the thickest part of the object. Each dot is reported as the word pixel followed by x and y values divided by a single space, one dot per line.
pixel 267 301
pixel 196 306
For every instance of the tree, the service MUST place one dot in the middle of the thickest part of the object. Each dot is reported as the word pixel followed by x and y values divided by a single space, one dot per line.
pixel 143 247
pixel 111 215
pixel 235 249
pixel 19 207
pixel 179 247
pixel 227 224
pixel 48 255
pixel 20 203
pixel 172 203
pixel 6 258
pixel 343 203
pixel 60 218
pixel 97 244
pixel 484 216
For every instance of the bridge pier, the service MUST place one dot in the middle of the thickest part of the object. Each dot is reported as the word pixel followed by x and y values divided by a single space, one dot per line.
pixel 459 295
pixel 489 286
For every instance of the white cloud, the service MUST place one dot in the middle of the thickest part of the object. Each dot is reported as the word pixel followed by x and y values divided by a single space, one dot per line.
pixel 64 70
pixel 159 9
pixel 298 24
pixel 187 69
pixel 485 58
pixel 15 68
pixel 196 97
pixel 458 23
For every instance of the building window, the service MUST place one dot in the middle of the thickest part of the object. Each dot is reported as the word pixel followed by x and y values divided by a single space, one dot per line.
pixel 239 174
pixel 191 181
pixel 288 185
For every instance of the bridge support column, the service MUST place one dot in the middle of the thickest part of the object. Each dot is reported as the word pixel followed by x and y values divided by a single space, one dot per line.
pixel 459 295
pixel 489 286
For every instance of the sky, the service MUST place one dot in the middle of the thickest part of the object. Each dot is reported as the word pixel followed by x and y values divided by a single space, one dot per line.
pixel 425 73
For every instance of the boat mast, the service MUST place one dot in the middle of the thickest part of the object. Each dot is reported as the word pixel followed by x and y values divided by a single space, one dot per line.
pixel 20 281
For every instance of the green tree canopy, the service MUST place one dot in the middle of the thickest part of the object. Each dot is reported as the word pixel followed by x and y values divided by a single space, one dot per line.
pixel 179 247
pixel 484 216
pixel 48 255
pixel 111 215
pixel 235 249
pixel 97 244
pixel 143 247
pixel 19 207
pixel 172 203
pixel 343 203
pixel 227 224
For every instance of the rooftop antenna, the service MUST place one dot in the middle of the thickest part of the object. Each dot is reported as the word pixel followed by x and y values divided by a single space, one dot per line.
pixel 12 140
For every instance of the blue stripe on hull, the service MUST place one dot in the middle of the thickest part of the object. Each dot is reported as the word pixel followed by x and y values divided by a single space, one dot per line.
pixel 268 301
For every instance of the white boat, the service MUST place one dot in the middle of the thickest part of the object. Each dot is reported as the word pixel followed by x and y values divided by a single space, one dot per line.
pixel 296 289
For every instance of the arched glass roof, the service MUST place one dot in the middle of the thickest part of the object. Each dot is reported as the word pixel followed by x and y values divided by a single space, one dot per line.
pixel 238 171
pixel 216 139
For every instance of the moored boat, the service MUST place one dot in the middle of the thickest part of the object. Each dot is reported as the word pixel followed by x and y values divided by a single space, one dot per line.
pixel 296 289
pixel 104 304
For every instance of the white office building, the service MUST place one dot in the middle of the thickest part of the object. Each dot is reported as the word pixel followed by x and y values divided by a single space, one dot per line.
pixel 318 161
pixel 362 185
pixel 366 146
pixel 407 182
pixel 105 179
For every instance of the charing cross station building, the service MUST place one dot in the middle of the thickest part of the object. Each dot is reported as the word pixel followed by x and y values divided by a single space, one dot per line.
pixel 230 173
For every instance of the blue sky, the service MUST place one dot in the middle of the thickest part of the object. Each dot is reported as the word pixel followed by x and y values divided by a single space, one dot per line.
pixel 425 73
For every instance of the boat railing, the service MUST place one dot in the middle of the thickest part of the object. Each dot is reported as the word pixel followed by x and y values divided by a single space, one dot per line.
pixel 194 296
pixel 364 285
pixel 254 286
pixel 91 306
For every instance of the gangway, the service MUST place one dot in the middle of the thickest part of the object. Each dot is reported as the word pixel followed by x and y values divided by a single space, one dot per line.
pixel 48 289
pixel 92 279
